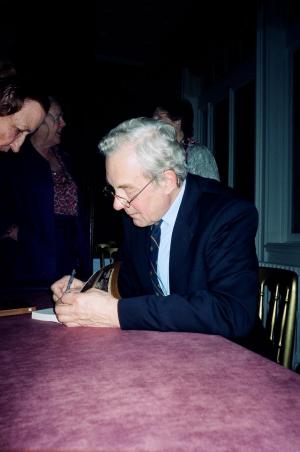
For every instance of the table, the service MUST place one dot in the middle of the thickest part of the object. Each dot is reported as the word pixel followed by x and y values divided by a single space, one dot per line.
pixel 110 390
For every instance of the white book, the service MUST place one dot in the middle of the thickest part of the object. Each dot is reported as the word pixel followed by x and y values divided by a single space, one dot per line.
pixel 47 314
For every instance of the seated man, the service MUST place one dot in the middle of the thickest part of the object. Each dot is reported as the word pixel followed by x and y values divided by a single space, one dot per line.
pixel 206 278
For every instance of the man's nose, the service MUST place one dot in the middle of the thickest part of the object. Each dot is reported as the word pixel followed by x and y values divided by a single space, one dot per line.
pixel 17 143
pixel 117 205
pixel 62 122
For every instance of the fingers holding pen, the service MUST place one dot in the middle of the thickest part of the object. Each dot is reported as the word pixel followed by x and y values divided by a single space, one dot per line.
pixel 59 288
pixel 67 298
pixel 64 299
pixel 67 307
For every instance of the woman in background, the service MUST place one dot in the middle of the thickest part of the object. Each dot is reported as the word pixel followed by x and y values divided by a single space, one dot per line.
pixel 179 113
pixel 48 221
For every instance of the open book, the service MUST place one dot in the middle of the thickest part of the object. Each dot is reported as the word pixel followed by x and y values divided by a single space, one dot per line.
pixel 105 279
pixel 47 314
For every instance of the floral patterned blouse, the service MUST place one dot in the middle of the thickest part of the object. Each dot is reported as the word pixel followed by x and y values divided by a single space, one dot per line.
pixel 65 191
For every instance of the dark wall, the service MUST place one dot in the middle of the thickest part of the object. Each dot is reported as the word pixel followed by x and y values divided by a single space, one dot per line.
pixel 53 47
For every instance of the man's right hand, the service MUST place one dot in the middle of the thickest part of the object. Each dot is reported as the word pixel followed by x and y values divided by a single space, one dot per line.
pixel 59 287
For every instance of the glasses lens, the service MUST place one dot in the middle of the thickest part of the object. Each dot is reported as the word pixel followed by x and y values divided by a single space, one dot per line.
pixel 109 191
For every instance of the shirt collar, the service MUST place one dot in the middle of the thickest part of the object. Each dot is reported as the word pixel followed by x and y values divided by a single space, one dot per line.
pixel 171 214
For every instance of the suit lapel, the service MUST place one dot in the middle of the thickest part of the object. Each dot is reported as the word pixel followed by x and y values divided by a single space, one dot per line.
pixel 182 237
pixel 140 251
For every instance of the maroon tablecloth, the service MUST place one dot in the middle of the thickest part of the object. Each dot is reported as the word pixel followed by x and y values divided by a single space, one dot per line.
pixel 110 390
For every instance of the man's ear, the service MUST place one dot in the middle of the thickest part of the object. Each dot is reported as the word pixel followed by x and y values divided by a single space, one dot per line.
pixel 170 181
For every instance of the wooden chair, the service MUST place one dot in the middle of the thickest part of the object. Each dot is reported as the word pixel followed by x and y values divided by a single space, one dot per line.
pixel 277 310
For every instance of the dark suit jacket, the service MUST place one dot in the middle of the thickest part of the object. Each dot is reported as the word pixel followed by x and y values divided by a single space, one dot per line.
pixel 29 194
pixel 213 267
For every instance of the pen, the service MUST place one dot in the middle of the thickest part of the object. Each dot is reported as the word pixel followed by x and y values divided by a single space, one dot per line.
pixel 72 275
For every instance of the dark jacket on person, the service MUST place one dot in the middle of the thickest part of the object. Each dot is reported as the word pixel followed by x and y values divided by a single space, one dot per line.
pixel 30 197
pixel 213 268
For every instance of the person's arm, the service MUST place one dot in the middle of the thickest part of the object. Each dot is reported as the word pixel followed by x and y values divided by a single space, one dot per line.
pixel 224 301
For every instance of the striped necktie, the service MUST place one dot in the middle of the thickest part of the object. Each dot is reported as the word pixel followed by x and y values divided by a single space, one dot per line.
pixel 154 246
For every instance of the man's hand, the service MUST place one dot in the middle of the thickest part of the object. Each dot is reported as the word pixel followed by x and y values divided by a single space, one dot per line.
pixel 91 308
pixel 59 287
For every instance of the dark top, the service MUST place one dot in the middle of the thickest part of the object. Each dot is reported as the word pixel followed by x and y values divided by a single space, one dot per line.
pixel 28 201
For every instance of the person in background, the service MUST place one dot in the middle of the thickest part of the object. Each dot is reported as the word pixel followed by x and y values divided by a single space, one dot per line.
pixel 22 110
pixel 206 279
pixel 48 220
pixel 199 159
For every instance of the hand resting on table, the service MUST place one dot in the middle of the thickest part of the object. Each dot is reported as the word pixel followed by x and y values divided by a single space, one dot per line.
pixel 91 308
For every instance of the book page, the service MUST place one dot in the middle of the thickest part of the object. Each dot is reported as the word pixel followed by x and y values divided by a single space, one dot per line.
pixel 47 315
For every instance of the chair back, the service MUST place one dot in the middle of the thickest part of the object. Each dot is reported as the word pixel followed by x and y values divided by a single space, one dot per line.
pixel 277 310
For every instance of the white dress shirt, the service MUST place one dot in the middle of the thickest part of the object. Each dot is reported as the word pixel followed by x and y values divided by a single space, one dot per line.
pixel 166 228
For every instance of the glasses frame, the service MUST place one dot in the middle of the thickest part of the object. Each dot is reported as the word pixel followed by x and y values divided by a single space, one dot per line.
pixel 56 119
pixel 126 202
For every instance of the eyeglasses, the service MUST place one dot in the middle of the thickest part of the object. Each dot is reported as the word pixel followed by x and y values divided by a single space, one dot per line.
pixel 56 119
pixel 125 202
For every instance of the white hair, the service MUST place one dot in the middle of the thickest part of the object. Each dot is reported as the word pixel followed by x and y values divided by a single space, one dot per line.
pixel 155 145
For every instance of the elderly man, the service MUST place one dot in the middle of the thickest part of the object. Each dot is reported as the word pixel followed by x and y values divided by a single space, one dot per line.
pixel 204 277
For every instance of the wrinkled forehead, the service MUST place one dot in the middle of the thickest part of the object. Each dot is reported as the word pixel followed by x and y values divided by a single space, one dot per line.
pixel 123 161
pixel 29 117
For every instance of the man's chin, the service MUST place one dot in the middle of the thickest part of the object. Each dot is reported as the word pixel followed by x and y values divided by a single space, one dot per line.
pixel 138 222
